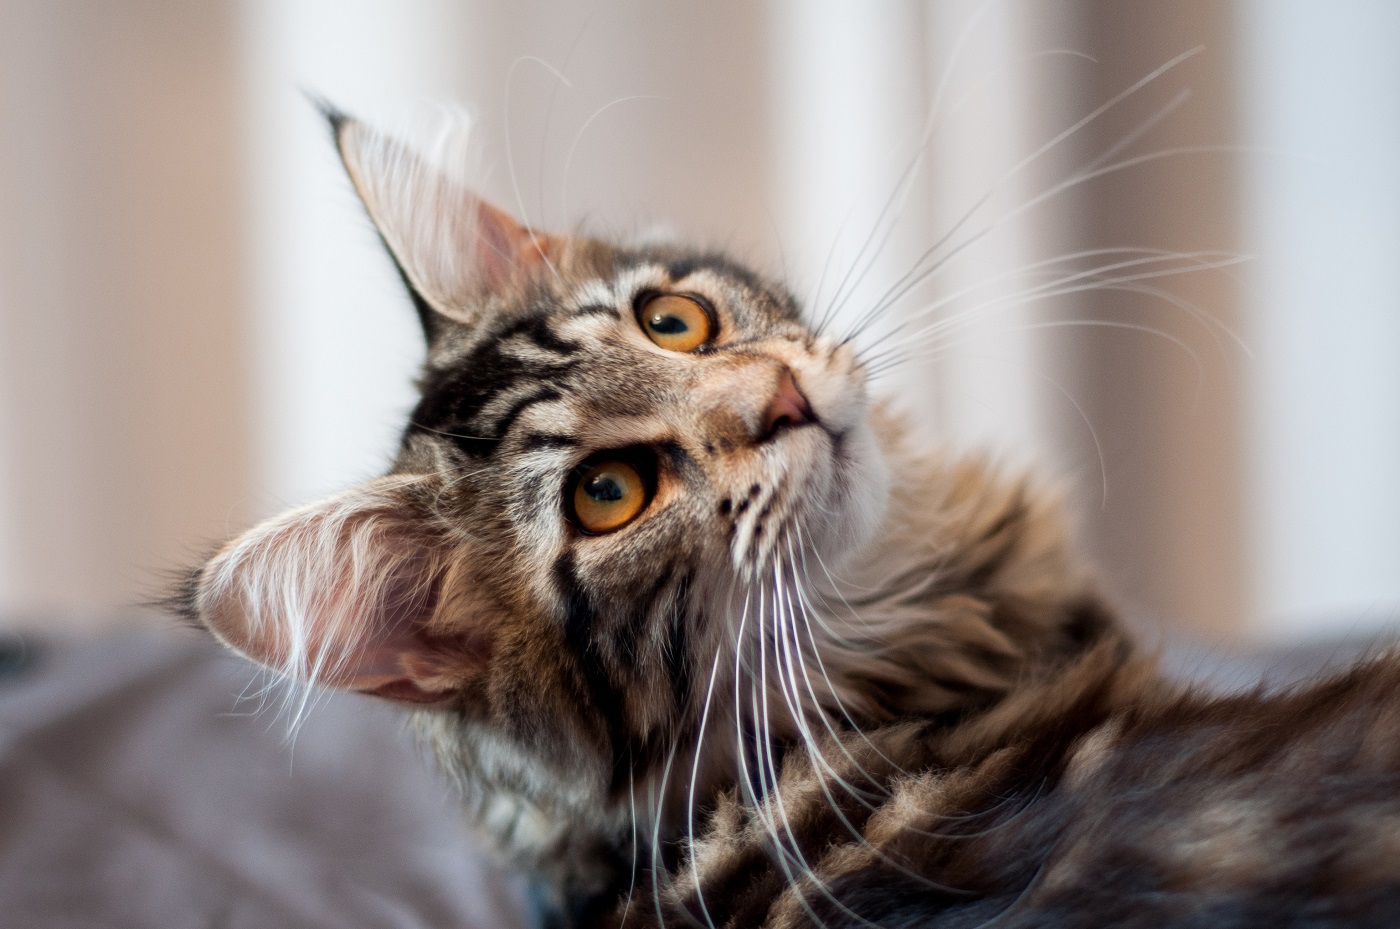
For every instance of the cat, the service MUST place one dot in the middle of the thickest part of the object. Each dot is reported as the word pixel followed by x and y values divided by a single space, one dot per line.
pixel 705 639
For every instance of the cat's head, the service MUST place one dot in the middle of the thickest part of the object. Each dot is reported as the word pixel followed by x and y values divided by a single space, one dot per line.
pixel 614 447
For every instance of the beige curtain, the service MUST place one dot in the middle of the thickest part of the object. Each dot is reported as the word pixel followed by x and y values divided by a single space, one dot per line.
pixel 125 430
pixel 196 327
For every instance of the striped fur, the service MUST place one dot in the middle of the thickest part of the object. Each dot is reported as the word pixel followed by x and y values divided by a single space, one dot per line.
pixel 823 680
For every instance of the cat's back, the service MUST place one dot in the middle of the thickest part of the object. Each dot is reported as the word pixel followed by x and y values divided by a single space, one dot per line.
pixel 1104 797
pixel 1251 810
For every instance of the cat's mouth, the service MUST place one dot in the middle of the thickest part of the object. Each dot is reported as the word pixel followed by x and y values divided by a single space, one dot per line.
pixel 784 428
pixel 830 480
pixel 789 509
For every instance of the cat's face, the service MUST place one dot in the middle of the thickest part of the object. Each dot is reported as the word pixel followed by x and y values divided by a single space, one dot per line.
pixel 613 450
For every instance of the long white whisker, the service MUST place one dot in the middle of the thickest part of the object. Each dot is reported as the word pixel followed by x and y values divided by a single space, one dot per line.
pixel 1192 261
pixel 578 137
pixel 900 290
pixel 774 797
pixel 834 691
pixel 790 641
pixel 850 789
pixel 1058 287
pixel 937 341
pixel 632 809
pixel 899 194
pixel 658 801
pixel 915 277
pixel 694 775
pixel 510 154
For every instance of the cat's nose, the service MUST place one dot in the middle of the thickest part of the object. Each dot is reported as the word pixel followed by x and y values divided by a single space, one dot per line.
pixel 788 407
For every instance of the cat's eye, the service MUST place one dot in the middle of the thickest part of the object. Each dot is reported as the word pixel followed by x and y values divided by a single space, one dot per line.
pixel 675 322
pixel 608 496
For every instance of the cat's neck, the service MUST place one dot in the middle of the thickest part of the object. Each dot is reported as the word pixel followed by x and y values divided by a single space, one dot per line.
pixel 969 586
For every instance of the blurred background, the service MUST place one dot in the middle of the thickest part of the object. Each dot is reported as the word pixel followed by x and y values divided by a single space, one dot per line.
pixel 1161 246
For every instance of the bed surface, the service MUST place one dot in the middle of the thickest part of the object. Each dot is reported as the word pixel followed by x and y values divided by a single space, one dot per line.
pixel 137 789
pixel 142 784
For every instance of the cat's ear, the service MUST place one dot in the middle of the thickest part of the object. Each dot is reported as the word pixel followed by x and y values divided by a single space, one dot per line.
pixel 347 593
pixel 452 247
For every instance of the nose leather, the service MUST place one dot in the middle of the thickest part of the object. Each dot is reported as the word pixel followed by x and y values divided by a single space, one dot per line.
pixel 745 402
pixel 788 407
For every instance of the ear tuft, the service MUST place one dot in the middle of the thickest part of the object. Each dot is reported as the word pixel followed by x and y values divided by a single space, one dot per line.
pixel 332 114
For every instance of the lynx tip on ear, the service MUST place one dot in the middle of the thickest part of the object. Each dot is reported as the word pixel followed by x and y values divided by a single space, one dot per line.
pixel 334 116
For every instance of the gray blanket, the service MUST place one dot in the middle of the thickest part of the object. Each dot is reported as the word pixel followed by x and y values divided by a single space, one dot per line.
pixel 137 789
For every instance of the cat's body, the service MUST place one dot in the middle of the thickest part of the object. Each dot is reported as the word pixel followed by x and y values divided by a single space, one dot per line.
pixel 705 641
pixel 1096 797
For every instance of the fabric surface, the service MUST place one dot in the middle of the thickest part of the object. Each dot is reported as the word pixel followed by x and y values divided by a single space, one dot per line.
pixel 139 789
pixel 144 784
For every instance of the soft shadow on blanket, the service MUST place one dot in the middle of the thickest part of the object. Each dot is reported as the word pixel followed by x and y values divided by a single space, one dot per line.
pixel 145 782
pixel 137 788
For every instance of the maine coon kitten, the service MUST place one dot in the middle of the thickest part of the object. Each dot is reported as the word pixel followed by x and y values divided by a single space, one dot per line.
pixel 704 642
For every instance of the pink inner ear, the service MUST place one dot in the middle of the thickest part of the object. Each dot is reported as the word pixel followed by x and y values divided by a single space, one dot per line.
pixel 506 251
pixel 342 593
pixel 452 244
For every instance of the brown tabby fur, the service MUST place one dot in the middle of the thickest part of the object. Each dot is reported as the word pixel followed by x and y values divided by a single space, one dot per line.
pixel 823 680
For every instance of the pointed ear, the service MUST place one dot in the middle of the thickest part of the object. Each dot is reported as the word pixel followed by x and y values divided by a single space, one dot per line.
pixel 453 248
pixel 348 593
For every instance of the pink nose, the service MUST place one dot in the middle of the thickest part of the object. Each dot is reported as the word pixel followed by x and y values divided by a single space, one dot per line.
pixel 787 408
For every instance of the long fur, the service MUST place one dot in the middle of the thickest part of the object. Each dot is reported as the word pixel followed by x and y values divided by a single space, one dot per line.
pixel 823 679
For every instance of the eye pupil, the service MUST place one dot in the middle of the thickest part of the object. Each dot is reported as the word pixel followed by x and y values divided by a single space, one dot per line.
pixel 667 324
pixel 676 322
pixel 608 496
pixel 604 488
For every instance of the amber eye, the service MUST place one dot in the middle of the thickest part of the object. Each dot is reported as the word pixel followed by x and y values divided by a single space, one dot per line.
pixel 608 496
pixel 676 323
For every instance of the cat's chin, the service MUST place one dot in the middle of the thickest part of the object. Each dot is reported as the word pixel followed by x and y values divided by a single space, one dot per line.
pixel 845 501
pixel 866 479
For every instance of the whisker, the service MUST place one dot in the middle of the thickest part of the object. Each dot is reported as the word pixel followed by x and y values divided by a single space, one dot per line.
pixel 578 137
pixel 695 774
pixel 510 153
pixel 632 810
pixel 562 81
pixel 836 695
pixel 1191 261
pixel 944 817
pixel 453 435
pixel 904 182
pixel 823 767
pixel 1058 287
pixel 658 799
pixel 774 796
pixel 912 279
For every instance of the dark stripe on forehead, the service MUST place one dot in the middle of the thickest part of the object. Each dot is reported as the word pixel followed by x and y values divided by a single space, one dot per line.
pixel 508 418
pixel 595 309
pixel 535 441
pixel 453 397
pixel 721 265
pixel 684 267
pixel 538 330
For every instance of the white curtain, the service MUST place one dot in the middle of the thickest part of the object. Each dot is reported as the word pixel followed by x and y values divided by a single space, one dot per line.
pixel 1323 207
pixel 198 327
